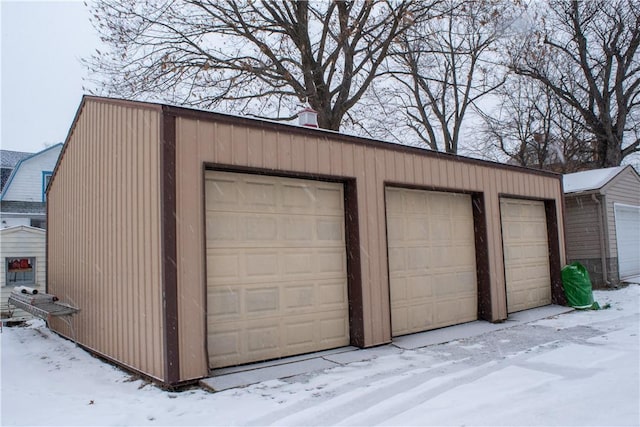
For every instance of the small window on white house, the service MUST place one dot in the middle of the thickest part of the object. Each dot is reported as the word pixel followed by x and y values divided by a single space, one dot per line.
pixel 20 271
pixel 46 177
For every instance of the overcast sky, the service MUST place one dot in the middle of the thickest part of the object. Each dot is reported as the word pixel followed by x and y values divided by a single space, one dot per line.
pixel 42 43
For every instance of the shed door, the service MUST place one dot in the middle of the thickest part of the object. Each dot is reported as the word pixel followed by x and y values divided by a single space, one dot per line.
pixel 526 254
pixel 276 267
pixel 628 239
pixel 432 263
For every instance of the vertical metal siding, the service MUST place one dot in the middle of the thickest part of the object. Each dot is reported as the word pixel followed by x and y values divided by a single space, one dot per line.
pixel 583 229
pixel 236 145
pixel 104 239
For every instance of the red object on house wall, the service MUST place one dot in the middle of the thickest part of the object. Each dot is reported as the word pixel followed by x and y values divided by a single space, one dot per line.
pixel 19 264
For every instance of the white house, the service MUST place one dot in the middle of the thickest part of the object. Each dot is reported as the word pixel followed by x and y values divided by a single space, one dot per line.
pixel 8 161
pixel 22 201
pixel 23 262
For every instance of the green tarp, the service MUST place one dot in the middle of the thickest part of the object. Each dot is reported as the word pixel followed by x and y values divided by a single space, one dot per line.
pixel 577 286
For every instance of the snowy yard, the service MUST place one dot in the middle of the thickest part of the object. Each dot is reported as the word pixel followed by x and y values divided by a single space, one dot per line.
pixel 580 368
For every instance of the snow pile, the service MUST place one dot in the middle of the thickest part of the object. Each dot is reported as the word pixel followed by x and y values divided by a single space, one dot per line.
pixel 589 180
pixel 579 368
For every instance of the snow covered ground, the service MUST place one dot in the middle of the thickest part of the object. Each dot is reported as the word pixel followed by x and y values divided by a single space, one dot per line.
pixel 580 368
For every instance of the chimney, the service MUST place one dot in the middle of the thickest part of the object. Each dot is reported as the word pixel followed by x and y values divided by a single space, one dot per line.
pixel 308 117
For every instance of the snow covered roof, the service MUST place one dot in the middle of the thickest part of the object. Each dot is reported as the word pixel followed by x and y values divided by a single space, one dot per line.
pixel 26 228
pixel 589 180
pixel 22 207
pixel 8 158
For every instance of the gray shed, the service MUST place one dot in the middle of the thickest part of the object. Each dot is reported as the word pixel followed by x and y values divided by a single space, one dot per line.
pixel 602 214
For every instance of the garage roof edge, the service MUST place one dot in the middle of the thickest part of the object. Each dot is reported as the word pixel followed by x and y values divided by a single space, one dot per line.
pixel 189 112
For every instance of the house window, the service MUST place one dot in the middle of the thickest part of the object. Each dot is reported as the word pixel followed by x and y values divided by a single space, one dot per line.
pixel 46 177
pixel 20 271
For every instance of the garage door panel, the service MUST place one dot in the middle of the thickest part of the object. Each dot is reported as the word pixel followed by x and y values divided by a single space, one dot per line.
pixel 419 229
pixel 252 265
pixel 294 297
pixel 270 230
pixel 461 232
pixel 526 254
pixel 254 229
pixel 453 310
pixel 397 260
pixel 431 251
pixel 329 200
pixel 262 301
pixel 464 256
pixel 398 292
pixel 276 267
pixel 400 318
pixel 258 194
pixel 417 259
pixel 395 228
pixel 394 202
pixel 440 229
pixel 418 288
pixel 265 338
pixel 298 228
pixel 254 193
pixel 262 340
pixel 260 265
pixel 225 228
pixel 299 296
pixel 332 330
pixel 421 316
pixel 221 193
pixel 223 303
pixel 331 261
pixel 332 294
pixel 413 203
pixel 225 344
pixel 330 229
pixel 627 224
pixel 223 265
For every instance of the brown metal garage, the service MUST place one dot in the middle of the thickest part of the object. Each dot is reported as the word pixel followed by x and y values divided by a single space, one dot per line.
pixel 194 240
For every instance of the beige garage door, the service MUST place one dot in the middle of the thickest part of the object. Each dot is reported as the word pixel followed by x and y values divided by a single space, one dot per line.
pixel 276 267
pixel 526 254
pixel 432 264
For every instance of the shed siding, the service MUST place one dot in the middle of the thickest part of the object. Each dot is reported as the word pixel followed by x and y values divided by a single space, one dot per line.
pixel 583 229
pixel 104 241
pixel 242 147
pixel 624 189
pixel 22 243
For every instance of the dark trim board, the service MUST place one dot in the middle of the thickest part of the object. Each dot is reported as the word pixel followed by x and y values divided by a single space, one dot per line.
pixel 169 249
pixel 354 273
pixel 482 257
pixel 555 264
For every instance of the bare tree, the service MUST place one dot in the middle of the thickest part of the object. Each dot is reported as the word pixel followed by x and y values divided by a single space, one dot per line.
pixel 533 128
pixel 442 67
pixel 586 53
pixel 261 58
